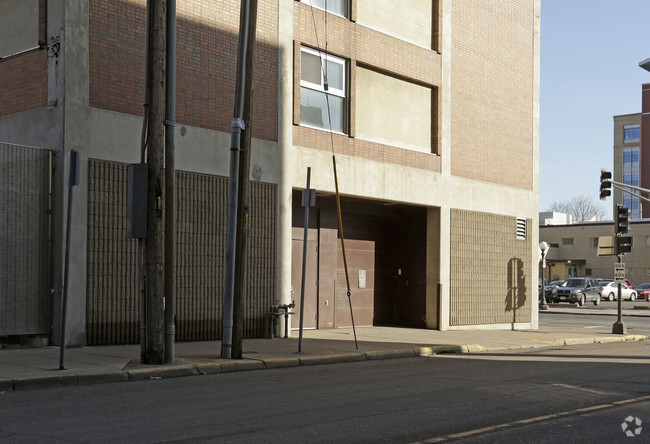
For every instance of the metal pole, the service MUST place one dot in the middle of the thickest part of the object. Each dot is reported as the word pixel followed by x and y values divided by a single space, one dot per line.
pixel 170 186
pixel 74 166
pixel 236 128
pixel 243 198
pixel 618 328
pixel 304 258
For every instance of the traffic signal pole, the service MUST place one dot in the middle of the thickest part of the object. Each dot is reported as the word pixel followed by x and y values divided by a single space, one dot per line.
pixel 621 227
pixel 618 328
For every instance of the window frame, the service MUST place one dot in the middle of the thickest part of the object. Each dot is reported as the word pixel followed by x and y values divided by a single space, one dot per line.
pixel 347 8
pixel 336 92
pixel 632 139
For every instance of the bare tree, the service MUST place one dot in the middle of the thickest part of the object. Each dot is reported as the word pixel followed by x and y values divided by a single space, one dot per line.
pixel 582 208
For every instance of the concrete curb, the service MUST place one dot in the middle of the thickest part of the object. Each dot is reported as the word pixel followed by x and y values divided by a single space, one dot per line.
pixel 223 366
pixel 170 371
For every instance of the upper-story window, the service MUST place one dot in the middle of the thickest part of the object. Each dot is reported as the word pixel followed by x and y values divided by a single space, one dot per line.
pixel 323 102
pixel 631 177
pixel 567 241
pixel 338 7
pixel 631 133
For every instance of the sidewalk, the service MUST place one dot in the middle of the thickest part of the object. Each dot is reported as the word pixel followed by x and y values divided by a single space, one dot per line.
pixel 30 368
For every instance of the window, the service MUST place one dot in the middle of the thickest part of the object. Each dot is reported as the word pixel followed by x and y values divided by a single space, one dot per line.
pixel 593 242
pixel 647 241
pixel 588 273
pixel 567 241
pixel 631 177
pixel 338 7
pixel 323 81
pixel 631 133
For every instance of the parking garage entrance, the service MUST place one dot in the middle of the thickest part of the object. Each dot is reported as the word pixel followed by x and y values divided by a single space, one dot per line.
pixel 386 253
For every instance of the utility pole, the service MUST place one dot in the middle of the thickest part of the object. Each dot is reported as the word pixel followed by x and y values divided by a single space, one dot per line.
pixel 237 127
pixel 155 160
pixel 170 186
pixel 243 204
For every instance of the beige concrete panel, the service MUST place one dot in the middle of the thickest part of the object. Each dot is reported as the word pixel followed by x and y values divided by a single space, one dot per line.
pixel 386 181
pixel 18 26
pixel 392 111
pixel 410 20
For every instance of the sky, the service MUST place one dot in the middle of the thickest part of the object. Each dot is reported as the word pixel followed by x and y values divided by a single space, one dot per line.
pixel 590 54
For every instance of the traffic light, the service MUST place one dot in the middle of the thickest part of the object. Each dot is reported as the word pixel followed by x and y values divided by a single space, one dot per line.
pixel 605 184
pixel 621 220
pixel 623 244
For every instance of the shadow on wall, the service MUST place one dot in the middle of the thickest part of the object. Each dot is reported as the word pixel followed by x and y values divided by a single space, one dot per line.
pixel 516 297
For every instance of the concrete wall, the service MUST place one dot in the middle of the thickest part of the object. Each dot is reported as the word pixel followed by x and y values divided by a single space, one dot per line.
pixel 392 111
pixel 409 20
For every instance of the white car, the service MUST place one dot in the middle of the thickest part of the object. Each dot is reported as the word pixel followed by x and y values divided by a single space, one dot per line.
pixel 610 292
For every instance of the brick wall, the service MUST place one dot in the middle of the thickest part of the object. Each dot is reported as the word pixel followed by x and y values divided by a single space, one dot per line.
pixel 645 145
pixel 492 91
pixel 207 35
pixel 24 76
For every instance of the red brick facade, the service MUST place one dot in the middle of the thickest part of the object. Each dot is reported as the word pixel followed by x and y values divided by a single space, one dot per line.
pixel 645 145
pixel 207 35
pixel 24 76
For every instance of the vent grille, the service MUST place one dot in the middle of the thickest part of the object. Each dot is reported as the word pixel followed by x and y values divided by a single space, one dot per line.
pixel 521 228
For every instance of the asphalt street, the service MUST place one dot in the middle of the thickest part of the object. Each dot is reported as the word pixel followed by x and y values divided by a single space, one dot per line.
pixel 560 394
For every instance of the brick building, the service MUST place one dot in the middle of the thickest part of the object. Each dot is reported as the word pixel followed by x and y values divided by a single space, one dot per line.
pixel 434 123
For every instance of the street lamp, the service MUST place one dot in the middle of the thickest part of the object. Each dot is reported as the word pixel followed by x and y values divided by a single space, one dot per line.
pixel 544 247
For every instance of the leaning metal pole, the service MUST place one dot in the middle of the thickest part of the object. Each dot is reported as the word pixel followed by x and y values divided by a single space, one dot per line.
pixel 235 148
pixel 306 199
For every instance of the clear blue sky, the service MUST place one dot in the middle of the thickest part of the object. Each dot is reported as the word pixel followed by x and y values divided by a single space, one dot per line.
pixel 590 54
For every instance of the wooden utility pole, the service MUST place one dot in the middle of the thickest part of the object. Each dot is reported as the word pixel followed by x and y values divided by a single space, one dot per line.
pixel 155 352
pixel 243 204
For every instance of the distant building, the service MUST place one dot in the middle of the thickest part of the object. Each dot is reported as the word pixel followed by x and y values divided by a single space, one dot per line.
pixel 554 218
pixel 574 251
pixel 628 162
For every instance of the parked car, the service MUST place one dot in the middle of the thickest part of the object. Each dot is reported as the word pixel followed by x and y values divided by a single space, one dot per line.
pixel 610 292
pixel 643 291
pixel 548 289
pixel 579 289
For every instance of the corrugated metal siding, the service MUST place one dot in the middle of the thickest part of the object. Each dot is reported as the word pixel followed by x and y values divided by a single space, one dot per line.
pixel 25 299
pixel 200 262
pixel 490 270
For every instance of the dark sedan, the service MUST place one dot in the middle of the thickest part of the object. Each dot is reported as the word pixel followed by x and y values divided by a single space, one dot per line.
pixel 578 290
